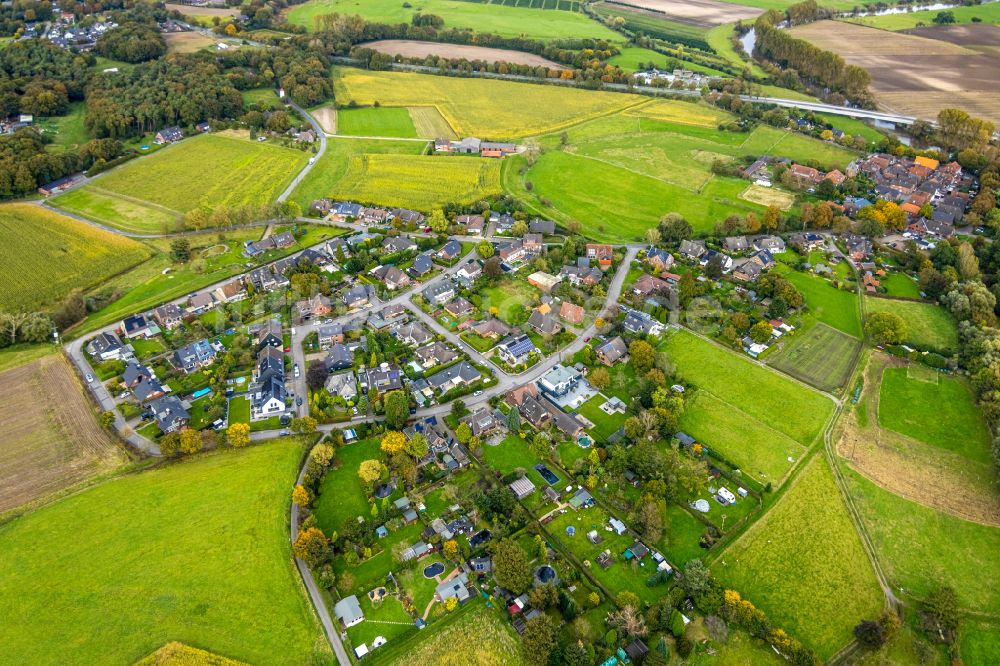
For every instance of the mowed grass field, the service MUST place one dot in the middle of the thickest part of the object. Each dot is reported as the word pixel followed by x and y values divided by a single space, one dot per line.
pixel 488 109
pixel 421 182
pixel 382 121
pixel 774 400
pixel 541 24
pixel 921 548
pixel 803 564
pixel 209 170
pixel 195 551
pixel 759 450
pixel 51 437
pixel 941 413
pixel 45 255
pixel 333 165
pixel 835 307
pixel 821 356
pixel 650 160
pixel 928 326
pixel 342 493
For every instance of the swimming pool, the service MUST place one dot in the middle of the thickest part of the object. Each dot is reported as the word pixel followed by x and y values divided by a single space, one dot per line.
pixel 432 570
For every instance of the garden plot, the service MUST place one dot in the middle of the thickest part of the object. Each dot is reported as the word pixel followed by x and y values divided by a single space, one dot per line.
pixel 822 356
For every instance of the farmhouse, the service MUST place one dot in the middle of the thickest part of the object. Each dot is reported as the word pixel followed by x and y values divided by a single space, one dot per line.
pixel 168 135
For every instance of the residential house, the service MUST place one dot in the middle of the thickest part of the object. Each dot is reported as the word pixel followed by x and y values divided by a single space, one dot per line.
pixel 231 292
pixel 581 275
pixel 384 378
pixel 436 353
pixel 484 421
pixel 659 259
pixel 267 398
pixel 747 270
pixel 805 174
pixel 413 334
pixel 358 296
pixel 736 244
pixel 454 588
pixel 544 227
pixel 135 373
pixel 169 413
pixel 494 329
pixel 517 395
pixel 269 334
pixel 611 351
pixel 148 388
pixel 807 242
pixel 648 285
pixel 201 302
pixel 512 251
pixel 168 135
pixel 602 253
pixel 637 323
pixel 169 316
pixel 343 385
pixel 346 210
pixel 348 611
pixel 374 217
pixel 394 244
pixel 459 307
pixel 340 357
pixel 560 380
pixel 139 326
pixel 440 293
pixel 194 356
pixel 329 334
pixel 422 265
pixel 533 243
pixel 317 306
pixel 515 350
pixel 460 374
pixel 407 216
pixel 572 313
pixel 392 277
pixel 692 250
pixel 773 244
pixel 450 251
pixel 544 320
pixel 473 224
pixel 106 347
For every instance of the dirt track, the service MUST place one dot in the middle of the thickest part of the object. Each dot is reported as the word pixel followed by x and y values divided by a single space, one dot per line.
pixel 51 438
pixel 708 13
pixel 415 49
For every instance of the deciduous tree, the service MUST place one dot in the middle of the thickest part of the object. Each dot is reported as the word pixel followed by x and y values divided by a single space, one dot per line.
pixel 312 546
pixel 238 435
pixel 393 442
pixel 510 567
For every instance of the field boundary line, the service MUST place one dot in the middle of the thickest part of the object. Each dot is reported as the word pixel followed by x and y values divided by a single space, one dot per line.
pixel 576 122
pixel 638 173
pixel 136 200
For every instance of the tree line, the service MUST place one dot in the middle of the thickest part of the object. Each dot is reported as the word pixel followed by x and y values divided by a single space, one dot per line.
pixel 40 78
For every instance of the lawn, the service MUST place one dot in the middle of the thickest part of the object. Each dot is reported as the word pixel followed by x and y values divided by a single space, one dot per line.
pixel 767 396
pixel 759 451
pixel 853 127
pixel 333 165
pixel 980 643
pixel 622 574
pixel 634 58
pixel 900 285
pixel 68 131
pixel 264 96
pixel 921 548
pixel 473 636
pixel 512 454
pixel 928 326
pixel 803 565
pixel 659 155
pixel 507 295
pixel 389 620
pixel 195 552
pixel 489 109
pixel 605 425
pixel 681 533
pixel 239 410
pixel 384 121
pixel 498 19
pixel 209 170
pixel 421 182
pixel 47 255
pixel 570 452
pixel 835 307
pixel 821 356
pixel 942 414
pixel 343 495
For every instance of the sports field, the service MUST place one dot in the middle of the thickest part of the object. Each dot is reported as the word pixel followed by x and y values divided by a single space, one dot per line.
pixel 488 109
pixel 46 449
pixel 920 548
pixel 541 24
pixel 759 450
pixel 935 409
pixel 421 182
pixel 928 326
pixel 821 356
pixel 210 170
pixel 45 255
pixel 768 397
pixel 383 121
pixel 803 564
pixel 195 552
pixel 333 165
pixel 835 307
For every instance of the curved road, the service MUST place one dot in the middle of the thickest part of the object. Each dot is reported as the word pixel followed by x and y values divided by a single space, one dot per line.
pixel 313 160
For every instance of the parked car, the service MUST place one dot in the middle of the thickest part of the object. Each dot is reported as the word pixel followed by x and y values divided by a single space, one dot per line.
pixel 477 393
pixel 90 378
pixel 295 370
pixel 298 402
pixel 354 410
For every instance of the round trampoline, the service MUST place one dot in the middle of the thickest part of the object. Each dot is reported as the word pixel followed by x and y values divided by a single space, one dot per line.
pixel 383 490
pixel 545 574
pixel 432 570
